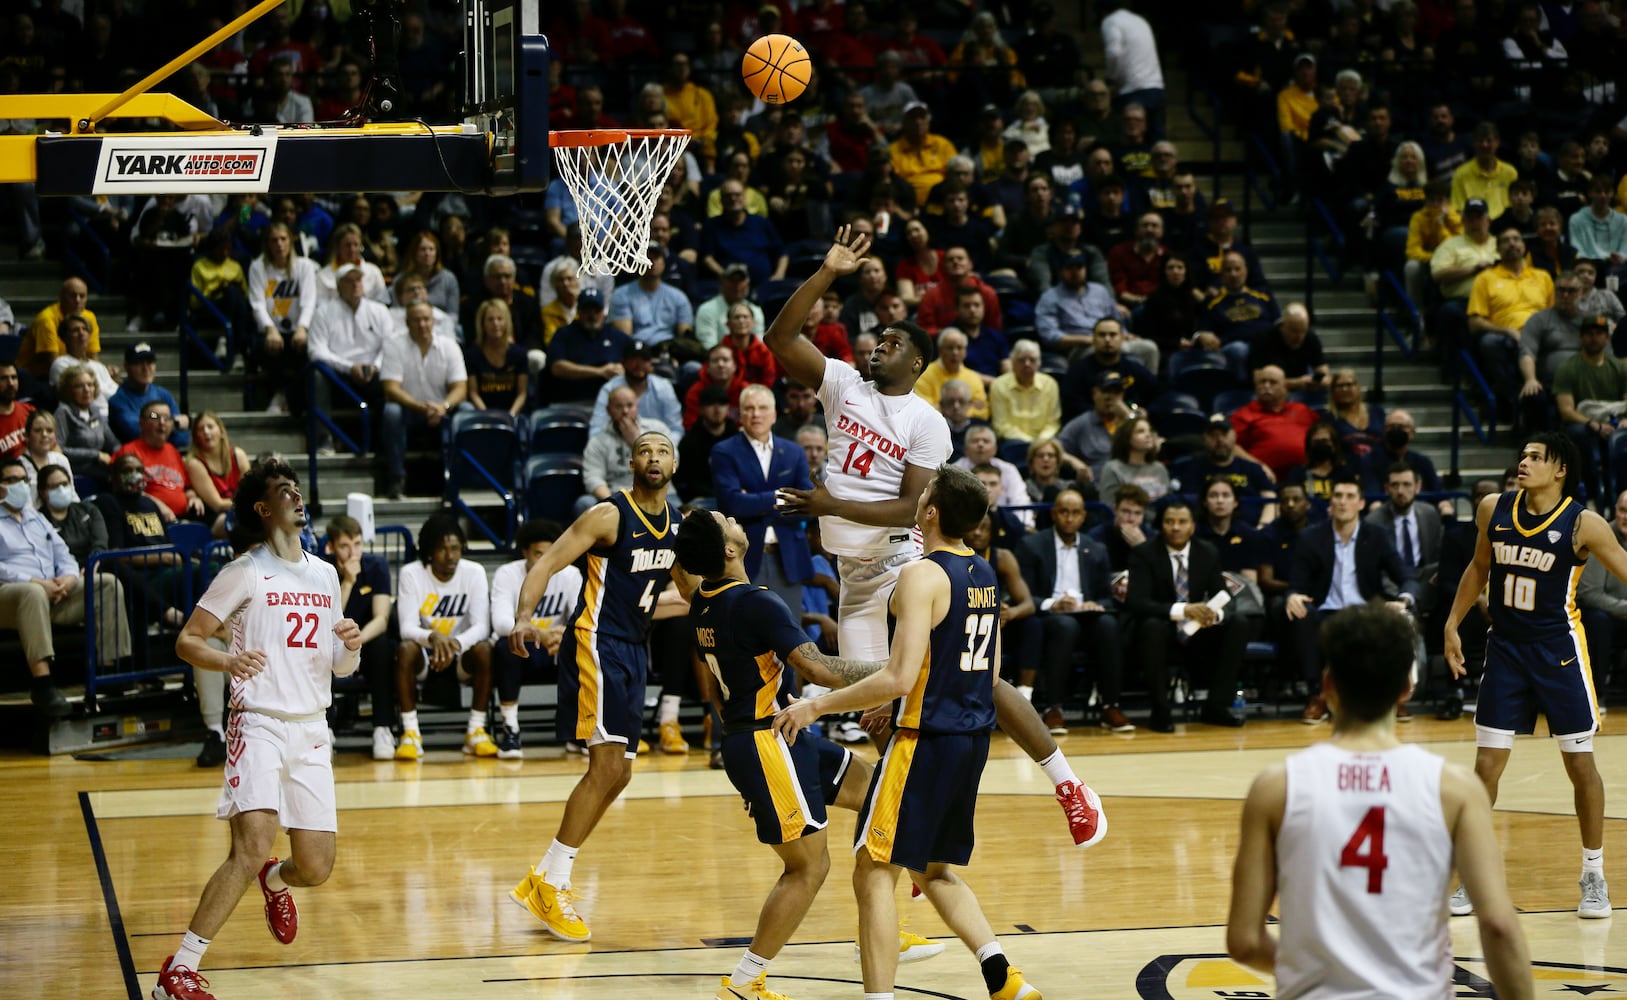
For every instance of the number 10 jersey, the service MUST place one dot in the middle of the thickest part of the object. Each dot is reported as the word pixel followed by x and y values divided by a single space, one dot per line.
pixel 1534 570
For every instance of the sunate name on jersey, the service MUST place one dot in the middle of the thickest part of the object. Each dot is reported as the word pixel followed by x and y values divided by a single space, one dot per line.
pixel 865 435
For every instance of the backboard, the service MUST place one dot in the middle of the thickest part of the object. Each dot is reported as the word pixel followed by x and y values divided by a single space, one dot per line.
pixel 505 72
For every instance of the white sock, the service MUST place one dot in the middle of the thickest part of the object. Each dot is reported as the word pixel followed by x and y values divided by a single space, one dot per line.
pixel 190 953
pixel 1057 769
pixel 274 880
pixel 1026 692
pixel 511 715
pixel 878 996
pixel 555 866
pixel 1593 861
pixel 751 966
pixel 988 951
pixel 477 719
pixel 669 708
pixel 221 732
pixel 409 722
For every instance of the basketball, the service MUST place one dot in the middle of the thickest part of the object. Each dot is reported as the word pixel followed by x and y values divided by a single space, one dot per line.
pixel 776 68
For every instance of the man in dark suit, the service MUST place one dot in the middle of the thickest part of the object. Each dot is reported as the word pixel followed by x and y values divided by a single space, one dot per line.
pixel 1171 579
pixel 1068 575
pixel 1457 551
pixel 1414 529
pixel 747 469
pixel 1339 565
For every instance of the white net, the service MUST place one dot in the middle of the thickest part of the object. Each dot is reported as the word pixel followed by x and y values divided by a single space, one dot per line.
pixel 615 184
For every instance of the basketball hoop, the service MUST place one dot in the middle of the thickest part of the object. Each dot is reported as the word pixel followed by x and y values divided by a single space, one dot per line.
pixel 615 176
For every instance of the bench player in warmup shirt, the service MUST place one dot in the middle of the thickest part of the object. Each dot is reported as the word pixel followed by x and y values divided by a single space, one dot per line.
pixel 533 540
pixel 444 613
pixel 739 631
pixel 288 641
pixel 603 659
pixel 944 632
pixel 885 445
pixel 1534 541
pixel 1357 838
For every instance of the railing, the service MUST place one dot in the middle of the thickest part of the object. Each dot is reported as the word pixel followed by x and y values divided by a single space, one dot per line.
pixel 1315 252
pixel 189 589
pixel 99 278
pixel 190 337
pixel 1382 324
pixel 315 415
pixel 1210 130
pixel 454 495
pixel 1462 407
pixel 1255 149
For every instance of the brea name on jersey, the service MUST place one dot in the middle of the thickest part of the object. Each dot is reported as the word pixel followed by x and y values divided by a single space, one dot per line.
pixel 1361 777
pixel 864 435
pixel 278 598
pixel 648 559
pixel 1508 554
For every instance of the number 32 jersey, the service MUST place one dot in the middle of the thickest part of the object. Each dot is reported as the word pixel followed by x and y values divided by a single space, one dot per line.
pixel 1364 861
pixel 1534 570
pixel 954 692
pixel 286 611
pixel 872 437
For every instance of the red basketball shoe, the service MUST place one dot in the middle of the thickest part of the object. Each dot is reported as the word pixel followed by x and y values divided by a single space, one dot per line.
pixel 281 914
pixel 1086 819
pixel 177 982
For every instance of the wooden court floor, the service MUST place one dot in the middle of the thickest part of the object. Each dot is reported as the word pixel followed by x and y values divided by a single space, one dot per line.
pixel 104 862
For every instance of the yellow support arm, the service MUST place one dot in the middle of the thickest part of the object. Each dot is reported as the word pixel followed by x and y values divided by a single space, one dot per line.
pixel 73 107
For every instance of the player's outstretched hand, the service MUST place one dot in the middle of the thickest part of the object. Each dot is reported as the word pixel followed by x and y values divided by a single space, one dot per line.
pixel 246 664
pixel 349 633
pixel 847 251
pixel 876 721
pixel 794 718
pixel 524 632
pixel 1453 650
pixel 809 503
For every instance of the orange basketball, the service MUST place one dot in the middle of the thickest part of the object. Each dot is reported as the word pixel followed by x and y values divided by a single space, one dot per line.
pixel 776 68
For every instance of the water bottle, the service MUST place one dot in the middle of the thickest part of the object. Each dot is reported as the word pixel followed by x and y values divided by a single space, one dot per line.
pixel 1239 706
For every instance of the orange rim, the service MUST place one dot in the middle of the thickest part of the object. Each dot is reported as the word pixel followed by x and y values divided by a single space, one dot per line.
pixel 576 138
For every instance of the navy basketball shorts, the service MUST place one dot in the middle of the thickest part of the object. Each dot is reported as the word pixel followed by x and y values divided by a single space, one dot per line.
pixel 923 800
pixel 1552 676
pixel 601 689
pixel 786 786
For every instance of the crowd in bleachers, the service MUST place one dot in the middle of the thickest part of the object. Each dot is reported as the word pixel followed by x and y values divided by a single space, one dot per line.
pixel 1102 326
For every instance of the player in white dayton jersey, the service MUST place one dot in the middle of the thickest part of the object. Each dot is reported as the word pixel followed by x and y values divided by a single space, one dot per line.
pixel 1357 838
pixel 533 541
pixel 282 609
pixel 443 606
pixel 885 445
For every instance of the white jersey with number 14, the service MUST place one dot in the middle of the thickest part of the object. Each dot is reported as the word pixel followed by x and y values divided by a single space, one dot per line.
pixel 1364 861
pixel 872 437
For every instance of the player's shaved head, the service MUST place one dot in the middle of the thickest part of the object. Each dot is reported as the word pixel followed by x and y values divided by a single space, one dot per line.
pixel 1368 654
pixel 699 545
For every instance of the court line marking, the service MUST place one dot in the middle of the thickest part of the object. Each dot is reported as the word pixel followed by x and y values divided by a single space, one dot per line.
pixel 778 978
pixel 121 942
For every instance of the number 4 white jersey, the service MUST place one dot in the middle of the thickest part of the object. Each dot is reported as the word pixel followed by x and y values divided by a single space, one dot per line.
pixel 1364 861
pixel 872 437
pixel 286 610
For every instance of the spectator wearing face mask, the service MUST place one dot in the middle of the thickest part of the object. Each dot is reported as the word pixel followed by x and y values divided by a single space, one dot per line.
pixel 78 521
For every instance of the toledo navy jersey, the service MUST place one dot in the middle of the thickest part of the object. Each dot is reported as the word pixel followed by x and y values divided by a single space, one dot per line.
pixel 1534 570
pixel 738 630
pixel 623 580
pixel 954 692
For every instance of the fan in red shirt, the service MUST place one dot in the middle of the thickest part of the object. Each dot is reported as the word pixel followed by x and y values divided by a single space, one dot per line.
pixel 825 328
pixel 166 472
pixel 751 356
pixel 720 371
pixel 13 415
pixel 1137 265
pixel 1271 429
pixel 939 305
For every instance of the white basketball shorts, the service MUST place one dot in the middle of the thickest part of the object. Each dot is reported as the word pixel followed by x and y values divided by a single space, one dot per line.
pixel 283 766
pixel 867 584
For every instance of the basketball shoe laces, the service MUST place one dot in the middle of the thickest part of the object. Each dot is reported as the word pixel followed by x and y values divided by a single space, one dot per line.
pixel 760 985
pixel 1081 817
pixel 566 898
pixel 193 984
pixel 282 908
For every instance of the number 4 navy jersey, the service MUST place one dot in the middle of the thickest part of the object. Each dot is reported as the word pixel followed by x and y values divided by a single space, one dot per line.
pixel 954 692
pixel 1534 569
pixel 739 631
pixel 624 579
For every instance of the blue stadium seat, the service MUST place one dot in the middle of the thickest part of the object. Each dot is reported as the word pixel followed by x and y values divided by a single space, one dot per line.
pixel 771 295
pixel 1233 399
pixel 1015 452
pixel 552 484
pixel 553 429
pixel 1180 421
pixel 483 462
pixel 10 344
pixel 1171 400
pixel 1202 374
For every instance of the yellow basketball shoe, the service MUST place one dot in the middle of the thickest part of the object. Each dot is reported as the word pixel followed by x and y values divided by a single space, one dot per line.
pixel 412 746
pixel 911 947
pixel 757 989
pixel 478 744
pixel 672 739
pixel 1015 988
pixel 554 907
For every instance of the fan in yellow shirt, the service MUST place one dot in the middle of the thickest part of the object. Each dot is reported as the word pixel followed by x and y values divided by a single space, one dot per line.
pixel 1484 177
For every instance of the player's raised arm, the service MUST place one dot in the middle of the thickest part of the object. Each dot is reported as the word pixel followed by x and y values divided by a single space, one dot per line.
pixel 597 526
pixel 796 353
pixel 1254 873
pixel 1469 587
pixel 920 601
pixel 1480 863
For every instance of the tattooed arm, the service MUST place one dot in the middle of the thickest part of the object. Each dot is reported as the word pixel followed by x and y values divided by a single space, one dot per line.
pixel 830 671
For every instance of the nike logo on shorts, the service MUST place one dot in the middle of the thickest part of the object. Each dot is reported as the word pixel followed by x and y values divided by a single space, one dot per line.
pixel 1566 663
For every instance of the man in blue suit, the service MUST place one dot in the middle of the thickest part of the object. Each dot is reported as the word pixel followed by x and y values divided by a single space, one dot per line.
pixel 747 469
